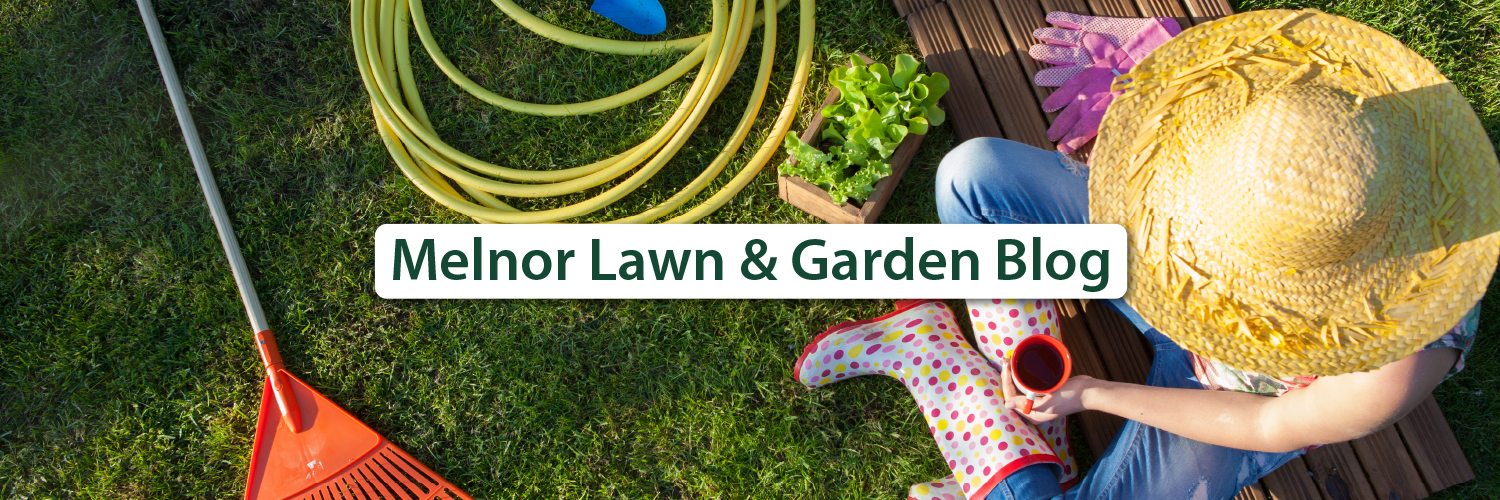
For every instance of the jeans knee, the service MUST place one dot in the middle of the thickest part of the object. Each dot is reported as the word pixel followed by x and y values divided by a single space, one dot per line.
pixel 995 181
pixel 982 160
pixel 973 172
pixel 964 165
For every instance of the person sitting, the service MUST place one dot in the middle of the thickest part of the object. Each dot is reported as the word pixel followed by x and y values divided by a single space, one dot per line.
pixel 1313 214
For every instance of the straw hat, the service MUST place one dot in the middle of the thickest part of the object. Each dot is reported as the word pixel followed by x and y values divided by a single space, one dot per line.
pixel 1304 194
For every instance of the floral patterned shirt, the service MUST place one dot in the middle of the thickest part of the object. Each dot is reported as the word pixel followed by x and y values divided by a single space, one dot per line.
pixel 1216 376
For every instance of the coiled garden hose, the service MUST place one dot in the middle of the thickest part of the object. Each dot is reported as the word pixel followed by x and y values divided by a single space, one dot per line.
pixel 380 34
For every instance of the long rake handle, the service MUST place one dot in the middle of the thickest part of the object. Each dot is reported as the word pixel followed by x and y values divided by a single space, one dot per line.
pixel 264 341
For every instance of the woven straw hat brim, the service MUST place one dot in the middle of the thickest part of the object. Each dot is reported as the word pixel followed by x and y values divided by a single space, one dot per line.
pixel 1304 266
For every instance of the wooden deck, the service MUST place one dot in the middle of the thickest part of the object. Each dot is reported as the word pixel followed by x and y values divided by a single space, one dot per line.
pixel 981 45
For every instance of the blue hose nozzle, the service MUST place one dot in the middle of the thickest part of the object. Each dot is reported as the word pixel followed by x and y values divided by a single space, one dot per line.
pixel 644 17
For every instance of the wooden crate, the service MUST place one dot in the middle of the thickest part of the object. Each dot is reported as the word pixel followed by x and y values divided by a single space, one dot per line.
pixel 816 201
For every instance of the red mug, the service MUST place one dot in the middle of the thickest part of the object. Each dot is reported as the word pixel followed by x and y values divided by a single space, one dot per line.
pixel 1040 364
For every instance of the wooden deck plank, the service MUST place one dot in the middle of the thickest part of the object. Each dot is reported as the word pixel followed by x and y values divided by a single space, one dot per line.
pixel 1434 449
pixel 1123 349
pixel 1074 6
pixel 1338 474
pixel 1253 492
pixel 942 47
pixel 1291 482
pixel 1202 11
pixel 906 7
pixel 1114 8
pixel 1099 428
pixel 1165 8
pixel 1389 467
pixel 1007 86
pixel 1022 18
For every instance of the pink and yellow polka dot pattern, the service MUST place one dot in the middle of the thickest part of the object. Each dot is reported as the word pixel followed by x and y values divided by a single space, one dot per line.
pixel 956 389
pixel 942 489
pixel 1001 324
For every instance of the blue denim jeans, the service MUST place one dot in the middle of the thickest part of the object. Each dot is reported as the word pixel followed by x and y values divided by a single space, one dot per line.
pixel 995 181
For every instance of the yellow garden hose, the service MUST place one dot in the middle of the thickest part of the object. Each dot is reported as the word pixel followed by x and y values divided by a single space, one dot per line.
pixel 604 45
pixel 380 34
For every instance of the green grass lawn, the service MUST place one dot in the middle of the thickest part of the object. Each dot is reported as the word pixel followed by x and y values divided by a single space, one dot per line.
pixel 126 368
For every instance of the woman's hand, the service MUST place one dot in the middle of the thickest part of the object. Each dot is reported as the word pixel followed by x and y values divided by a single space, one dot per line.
pixel 1065 401
pixel 1331 409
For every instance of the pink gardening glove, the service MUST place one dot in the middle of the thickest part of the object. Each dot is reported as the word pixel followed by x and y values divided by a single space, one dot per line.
pixel 1087 95
pixel 1064 45
pixel 1089 53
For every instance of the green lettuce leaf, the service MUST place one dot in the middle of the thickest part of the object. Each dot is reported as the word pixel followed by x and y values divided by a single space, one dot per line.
pixel 906 70
pixel 936 84
pixel 879 106
pixel 917 125
pixel 936 116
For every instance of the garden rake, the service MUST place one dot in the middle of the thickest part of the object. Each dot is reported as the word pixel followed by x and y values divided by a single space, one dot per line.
pixel 306 447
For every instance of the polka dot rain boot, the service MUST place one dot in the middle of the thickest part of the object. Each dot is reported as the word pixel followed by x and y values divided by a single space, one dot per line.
pixel 1000 324
pixel 942 489
pixel 955 388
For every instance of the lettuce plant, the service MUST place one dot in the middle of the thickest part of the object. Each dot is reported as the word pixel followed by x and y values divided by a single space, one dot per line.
pixel 876 110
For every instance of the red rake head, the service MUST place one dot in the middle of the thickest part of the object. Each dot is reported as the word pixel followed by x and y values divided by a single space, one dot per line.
pixel 334 457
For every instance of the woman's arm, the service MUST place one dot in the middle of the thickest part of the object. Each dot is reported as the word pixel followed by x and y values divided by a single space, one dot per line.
pixel 1330 410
